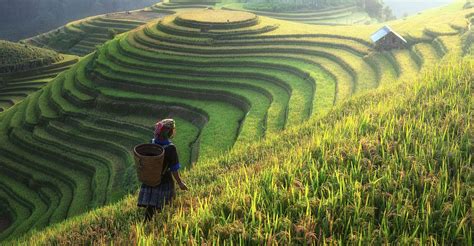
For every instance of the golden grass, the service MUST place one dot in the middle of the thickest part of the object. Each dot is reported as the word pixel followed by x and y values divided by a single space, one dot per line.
pixel 249 199
pixel 370 172
pixel 214 16
pixel 442 20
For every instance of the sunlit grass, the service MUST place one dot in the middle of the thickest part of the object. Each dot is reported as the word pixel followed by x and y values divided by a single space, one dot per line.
pixel 392 165
pixel 373 170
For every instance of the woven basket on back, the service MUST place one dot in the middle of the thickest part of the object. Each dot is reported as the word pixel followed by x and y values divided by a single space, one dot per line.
pixel 149 163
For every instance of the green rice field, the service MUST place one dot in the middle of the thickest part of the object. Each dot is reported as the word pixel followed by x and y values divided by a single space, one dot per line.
pixel 291 129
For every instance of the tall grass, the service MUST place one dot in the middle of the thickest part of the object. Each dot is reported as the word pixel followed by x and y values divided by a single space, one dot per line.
pixel 345 158
pixel 389 166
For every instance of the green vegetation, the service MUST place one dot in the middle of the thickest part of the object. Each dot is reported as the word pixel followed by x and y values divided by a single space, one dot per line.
pixel 377 9
pixel 392 165
pixel 83 36
pixel 339 14
pixel 25 69
pixel 16 57
pixel 469 4
pixel 284 6
pixel 235 83
pixel 26 18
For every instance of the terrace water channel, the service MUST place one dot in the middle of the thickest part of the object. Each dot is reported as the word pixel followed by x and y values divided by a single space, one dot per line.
pixel 403 8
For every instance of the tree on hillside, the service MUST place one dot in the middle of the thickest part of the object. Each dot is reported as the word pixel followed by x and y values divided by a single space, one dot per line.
pixel 374 8
pixel 388 14
pixel 377 9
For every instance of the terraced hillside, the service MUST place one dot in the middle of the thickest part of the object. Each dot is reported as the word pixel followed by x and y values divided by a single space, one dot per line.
pixel 16 57
pixel 174 6
pixel 389 166
pixel 345 14
pixel 24 69
pixel 229 78
pixel 83 36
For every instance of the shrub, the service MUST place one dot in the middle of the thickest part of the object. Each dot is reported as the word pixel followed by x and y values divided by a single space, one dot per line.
pixel 377 9
pixel 468 5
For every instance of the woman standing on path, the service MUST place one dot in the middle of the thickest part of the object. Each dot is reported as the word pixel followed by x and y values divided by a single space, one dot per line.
pixel 154 198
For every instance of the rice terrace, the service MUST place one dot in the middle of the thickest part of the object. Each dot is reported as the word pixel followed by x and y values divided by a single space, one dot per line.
pixel 295 122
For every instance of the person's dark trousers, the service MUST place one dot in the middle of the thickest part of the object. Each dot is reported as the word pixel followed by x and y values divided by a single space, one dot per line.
pixel 150 211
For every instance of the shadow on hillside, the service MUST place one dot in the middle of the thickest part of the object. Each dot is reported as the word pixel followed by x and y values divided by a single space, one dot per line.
pixel 5 222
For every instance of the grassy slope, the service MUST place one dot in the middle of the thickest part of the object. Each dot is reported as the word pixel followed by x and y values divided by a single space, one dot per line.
pixel 315 30
pixel 20 84
pixel 444 22
pixel 81 37
pixel 441 20
pixel 391 165
pixel 15 57
pixel 16 53
pixel 323 17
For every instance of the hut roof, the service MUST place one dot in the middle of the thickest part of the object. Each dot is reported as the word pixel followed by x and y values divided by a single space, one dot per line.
pixel 382 32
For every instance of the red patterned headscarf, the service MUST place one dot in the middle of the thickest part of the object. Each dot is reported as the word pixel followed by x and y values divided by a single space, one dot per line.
pixel 163 129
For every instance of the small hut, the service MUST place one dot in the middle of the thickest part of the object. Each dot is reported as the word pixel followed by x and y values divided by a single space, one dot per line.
pixel 387 39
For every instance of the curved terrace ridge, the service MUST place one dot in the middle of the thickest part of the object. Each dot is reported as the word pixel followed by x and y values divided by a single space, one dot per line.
pixel 242 79
pixel 216 19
